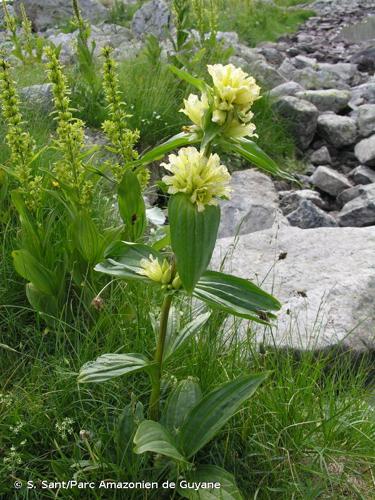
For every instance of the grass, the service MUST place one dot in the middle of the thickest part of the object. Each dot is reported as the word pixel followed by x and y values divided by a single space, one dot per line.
pixel 261 22
pixel 308 432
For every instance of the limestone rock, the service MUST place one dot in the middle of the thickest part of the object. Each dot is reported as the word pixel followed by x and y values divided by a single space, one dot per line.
pixel 329 181
pixel 288 88
pixel 337 130
pixel 327 100
pixel 325 281
pixel 321 156
pixel 365 151
pixel 362 175
pixel 366 119
pixel 47 13
pixel 307 216
pixel 302 116
pixel 253 205
pixel 360 211
pixel 153 18
pixel 290 200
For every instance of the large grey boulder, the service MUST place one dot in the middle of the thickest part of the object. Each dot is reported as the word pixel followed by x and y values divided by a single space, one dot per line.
pixel 48 13
pixel 302 117
pixel 337 130
pixel 153 18
pixel 324 278
pixel 366 119
pixel 327 99
pixel 267 75
pixel 253 205
pixel 365 151
pixel 307 216
pixel 329 181
pixel 360 211
pixel 291 200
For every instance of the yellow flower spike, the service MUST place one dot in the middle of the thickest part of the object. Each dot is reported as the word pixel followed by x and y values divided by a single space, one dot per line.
pixel 203 178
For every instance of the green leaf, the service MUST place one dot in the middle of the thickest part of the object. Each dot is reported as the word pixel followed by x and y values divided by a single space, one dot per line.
pixel 32 270
pixel 132 206
pixel 176 339
pixel 206 419
pixel 41 302
pixel 109 366
pixel 193 237
pixel 236 296
pixel 86 237
pixel 254 154
pixel 187 77
pixel 211 474
pixel 152 436
pixel 122 259
pixel 175 142
pixel 182 399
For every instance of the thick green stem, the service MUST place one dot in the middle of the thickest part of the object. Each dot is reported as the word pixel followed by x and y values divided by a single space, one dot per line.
pixel 156 379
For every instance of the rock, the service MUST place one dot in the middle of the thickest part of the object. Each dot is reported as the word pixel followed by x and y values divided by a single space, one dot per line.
pixel 290 200
pixel 337 130
pixel 360 211
pixel 253 205
pixel 327 100
pixel 266 74
pixel 345 71
pixel 272 55
pixel 39 96
pixel 365 151
pixel 312 79
pixel 365 59
pixel 362 175
pixel 366 119
pixel 308 216
pixel 363 94
pixel 301 62
pixel 327 289
pixel 321 156
pixel 153 18
pixel 302 117
pixel 349 194
pixel 329 181
pixel 44 14
pixel 250 55
pixel 229 38
pixel 288 88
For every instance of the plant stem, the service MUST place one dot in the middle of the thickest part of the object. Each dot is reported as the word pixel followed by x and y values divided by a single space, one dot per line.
pixel 156 379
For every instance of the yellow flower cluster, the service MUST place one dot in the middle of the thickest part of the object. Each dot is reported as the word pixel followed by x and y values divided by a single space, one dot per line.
pixel 203 178
pixel 230 100
pixel 159 272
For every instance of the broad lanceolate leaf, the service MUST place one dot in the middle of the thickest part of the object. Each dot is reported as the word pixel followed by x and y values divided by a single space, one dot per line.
pixel 86 237
pixel 236 296
pixel 182 399
pixel 175 142
pixel 122 259
pixel 34 271
pixel 254 154
pixel 152 436
pixel 132 206
pixel 206 419
pixel 109 366
pixel 193 237
pixel 42 303
pixel 187 77
pixel 211 474
pixel 176 339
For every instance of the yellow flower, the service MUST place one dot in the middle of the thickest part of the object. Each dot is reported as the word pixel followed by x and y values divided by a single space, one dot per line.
pixel 233 87
pixel 151 267
pixel 203 179
pixel 195 108
pixel 237 129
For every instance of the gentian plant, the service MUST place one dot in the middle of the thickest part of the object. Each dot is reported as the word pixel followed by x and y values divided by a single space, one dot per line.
pixel 196 181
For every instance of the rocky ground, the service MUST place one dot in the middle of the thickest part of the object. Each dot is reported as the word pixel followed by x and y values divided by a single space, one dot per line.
pixel 321 79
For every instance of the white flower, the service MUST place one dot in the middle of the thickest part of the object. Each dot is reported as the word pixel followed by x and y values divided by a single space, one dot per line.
pixel 203 178
pixel 151 267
